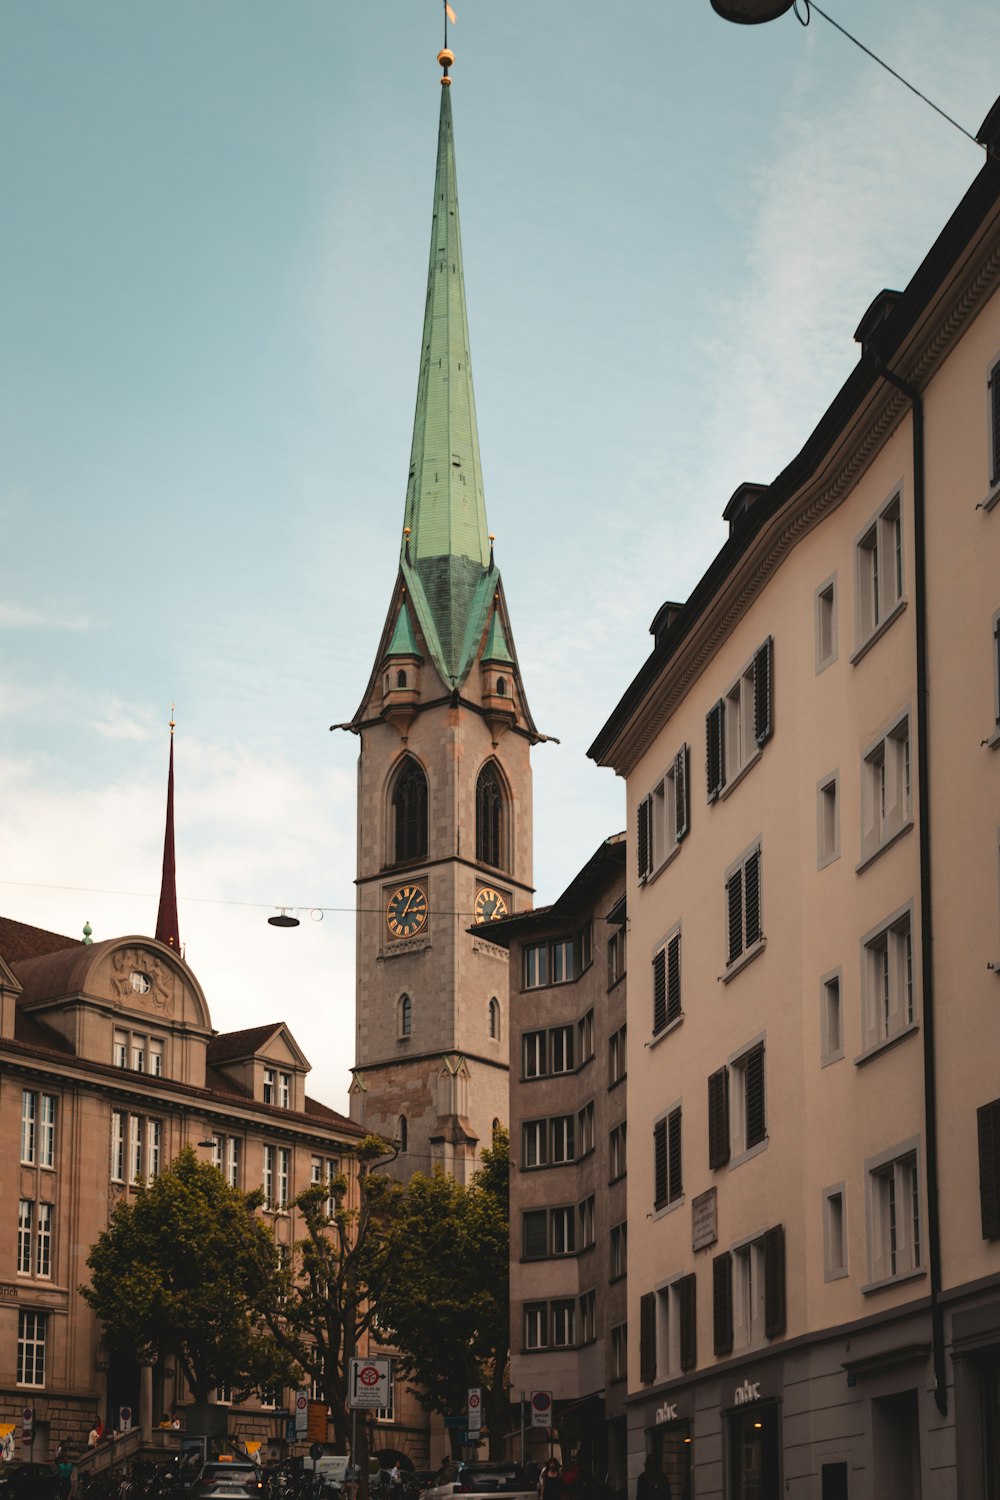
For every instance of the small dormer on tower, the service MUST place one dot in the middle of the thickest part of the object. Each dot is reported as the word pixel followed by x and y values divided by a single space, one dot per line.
pixel 401 673
pixel 498 675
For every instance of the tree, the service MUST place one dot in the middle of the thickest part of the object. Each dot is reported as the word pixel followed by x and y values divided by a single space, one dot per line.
pixel 444 1298
pixel 179 1271
pixel 324 1298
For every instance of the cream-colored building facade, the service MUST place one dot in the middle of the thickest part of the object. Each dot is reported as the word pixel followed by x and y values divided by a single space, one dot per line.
pixel 813 783
pixel 109 1065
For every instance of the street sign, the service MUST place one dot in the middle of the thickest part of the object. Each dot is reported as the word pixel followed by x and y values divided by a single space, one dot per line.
pixel 28 1425
pixel 125 1418
pixel 541 1408
pixel 369 1382
pixel 475 1409
pixel 301 1413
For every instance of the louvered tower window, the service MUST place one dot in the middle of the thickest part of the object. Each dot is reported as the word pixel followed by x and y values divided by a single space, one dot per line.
pixel 409 808
pixel 490 817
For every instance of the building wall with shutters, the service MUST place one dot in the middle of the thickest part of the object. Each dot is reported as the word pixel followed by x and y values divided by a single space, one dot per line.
pixel 824 570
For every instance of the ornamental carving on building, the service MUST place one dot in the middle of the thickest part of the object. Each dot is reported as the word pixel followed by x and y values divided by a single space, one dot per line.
pixel 138 978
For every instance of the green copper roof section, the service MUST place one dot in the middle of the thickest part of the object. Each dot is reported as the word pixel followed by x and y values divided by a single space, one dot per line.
pixel 448 548
pixel 496 642
pixel 404 642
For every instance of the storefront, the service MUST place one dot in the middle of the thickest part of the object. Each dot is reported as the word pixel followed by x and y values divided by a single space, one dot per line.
pixel 752 1420
pixel 671 1443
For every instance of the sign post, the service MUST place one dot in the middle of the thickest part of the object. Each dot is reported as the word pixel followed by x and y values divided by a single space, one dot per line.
pixel 475 1422
pixel 301 1414
pixel 28 1426
pixel 541 1408
pixel 368 1384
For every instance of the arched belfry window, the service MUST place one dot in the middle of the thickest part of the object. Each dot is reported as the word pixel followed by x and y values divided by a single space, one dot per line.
pixel 491 842
pixel 495 1019
pixel 405 1016
pixel 409 813
pixel 402 1133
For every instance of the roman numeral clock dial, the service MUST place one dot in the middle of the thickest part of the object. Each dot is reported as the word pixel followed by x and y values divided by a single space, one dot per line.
pixel 406 911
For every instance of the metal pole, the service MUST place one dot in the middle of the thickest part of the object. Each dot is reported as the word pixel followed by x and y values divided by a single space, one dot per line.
pixel 354 1449
pixel 522 1429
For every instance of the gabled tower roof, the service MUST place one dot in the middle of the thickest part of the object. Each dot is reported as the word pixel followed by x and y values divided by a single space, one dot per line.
pixel 446 557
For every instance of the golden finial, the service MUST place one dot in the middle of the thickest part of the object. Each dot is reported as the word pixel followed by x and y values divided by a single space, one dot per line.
pixel 172 707
pixel 406 531
pixel 446 58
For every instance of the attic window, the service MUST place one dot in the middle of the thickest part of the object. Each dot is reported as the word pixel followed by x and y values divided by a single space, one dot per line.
pixel 401 679
pixel 501 687
pixel 141 983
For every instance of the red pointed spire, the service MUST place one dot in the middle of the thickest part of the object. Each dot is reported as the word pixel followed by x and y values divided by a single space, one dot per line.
pixel 166 918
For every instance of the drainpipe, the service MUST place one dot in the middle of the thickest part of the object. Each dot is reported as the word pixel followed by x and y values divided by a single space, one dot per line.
pixel 924 827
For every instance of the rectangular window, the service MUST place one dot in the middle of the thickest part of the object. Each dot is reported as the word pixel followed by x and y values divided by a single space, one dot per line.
pixel 828 820
pixel 535 1230
pixel 25 1216
pixel 826 623
pixel 879 559
pixel 831 1019
pixel 748 1294
pixel 667 984
pixel 155 1055
pixel 535 962
pixel 585 1129
pixel 588 1212
pixel 616 949
pixel 562 1228
pixel 619 1351
pixel 269 1086
pixel 894 1216
pixel 562 1139
pixel 548 1232
pixel 534 1054
pixel 675 1327
pixel 31 1330
pixel 154 1143
pixel 134 1148
pixel 668 1184
pixel 324 1171
pixel 561 1049
pixel 233 1161
pixel 138 1053
pixel 47 1130
pixel 585 947
pixel 29 1122
pixel 887 970
pixel 563 1323
pixel 993 393
pixel 747 1112
pixel 617 1056
pixel 284 1175
pixel 988 1129
pixel 535 1143
pixel 536 1325
pixel 739 724
pixel 121 1049
pixel 563 966
pixel 117 1146
pixel 995 737
pixel 743 906
pixel 886 791
pixel 268 1176
pixel 619 1250
pixel 834 1233
pixel 43 1241
pixel 285 1090
pixel 616 1152
pixel 588 1317
pixel 663 816
pixel 585 1036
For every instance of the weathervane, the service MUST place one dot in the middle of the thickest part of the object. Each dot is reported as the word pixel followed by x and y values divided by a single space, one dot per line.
pixel 449 15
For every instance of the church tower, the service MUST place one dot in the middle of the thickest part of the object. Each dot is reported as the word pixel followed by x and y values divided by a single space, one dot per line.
pixel 444 780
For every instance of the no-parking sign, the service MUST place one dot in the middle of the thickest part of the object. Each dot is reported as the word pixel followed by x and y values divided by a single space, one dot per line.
pixel 541 1408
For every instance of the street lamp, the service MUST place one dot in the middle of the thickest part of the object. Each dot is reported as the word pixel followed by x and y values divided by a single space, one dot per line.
pixel 751 12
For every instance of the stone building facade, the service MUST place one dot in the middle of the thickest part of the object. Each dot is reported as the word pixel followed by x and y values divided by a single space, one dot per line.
pixel 810 754
pixel 568 1113
pixel 109 1064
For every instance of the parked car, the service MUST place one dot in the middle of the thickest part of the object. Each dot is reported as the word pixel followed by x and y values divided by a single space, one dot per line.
pixel 488 1481
pixel 27 1481
pixel 218 1480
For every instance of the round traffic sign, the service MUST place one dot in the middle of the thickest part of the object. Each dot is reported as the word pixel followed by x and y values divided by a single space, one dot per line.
pixel 541 1400
pixel 301 1401
pixel 369 1375
pixel 474 1400
pixel 316 1452
pixel 125 1413
pixel 27 1414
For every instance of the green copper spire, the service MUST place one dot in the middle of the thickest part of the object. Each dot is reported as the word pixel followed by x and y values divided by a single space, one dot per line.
pixel 446 559
pixel 403 641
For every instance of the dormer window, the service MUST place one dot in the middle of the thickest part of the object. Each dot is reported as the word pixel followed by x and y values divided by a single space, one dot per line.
pixel 138 1052
pixel 285 1090
pixel 269 1085
pixel 277 1088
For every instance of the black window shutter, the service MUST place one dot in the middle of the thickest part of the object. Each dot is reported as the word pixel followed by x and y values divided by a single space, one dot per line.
pixel 751 882
pixel 715 749
pixel 687 1300
pixel 995 412
pixel 722 1302
pixel 674 977
pixel 756 1115
pixel 659 990
pixel 988 1121
pixel 647 1338
pixel 734 907
pixel 681 792
pixel 763 697
pixel 718 1118
pixel 659 1163
pixel 642 839
pixel 675 1183
pixel 774 1281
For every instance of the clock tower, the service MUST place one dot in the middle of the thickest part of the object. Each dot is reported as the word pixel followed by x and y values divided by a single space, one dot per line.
pixel 444 780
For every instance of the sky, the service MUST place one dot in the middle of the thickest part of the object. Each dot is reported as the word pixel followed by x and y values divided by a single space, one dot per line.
pixel 216 216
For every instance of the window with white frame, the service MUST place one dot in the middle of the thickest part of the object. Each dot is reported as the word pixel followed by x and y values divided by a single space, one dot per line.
pixel 748 1294
pixel 136 1147
pixel 616 1151
pixel 585 1129
pixel 324 1171
pixel 673 1339
pixel 879 564
pixel 668 1186
pixel 739 724
pixel 886 792
pixel 588 1215
pixel 993 425
pixel 619 1351
pixel 534 965
pixel 25 1236
pixel 548 1231
pixel 887 973
pixel 619 1250
pixel 828 820
pixel 547 1052
pixel 616 955
pixel 617 1056
pixel 588 1317
pixel 285 1090
pixel 894 1219
pixel 535 1143
pixel 737 1112
pixel 663 817
pixel 826 623
pixel 563 1139
pixel 561 1049
pixel 43 1240
pixel 269 1086
pixel 562 961
pixel 585 1037
pixel 667 983
pixel 226 1156
pixel 831 1019
pixel 38 1129
pixel 268 1175
pixel 284 1176
pixel 562 1322
pixel 31 1333
pixel 744 933
pixel 536 1325
pixel 834 1233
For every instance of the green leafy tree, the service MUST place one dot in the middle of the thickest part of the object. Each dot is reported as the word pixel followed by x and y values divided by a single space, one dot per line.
pixel 324 1299
pixel 180 1269
pixel 444 1297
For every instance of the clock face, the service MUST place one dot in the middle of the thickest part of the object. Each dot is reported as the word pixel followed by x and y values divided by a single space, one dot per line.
pixel 406 911
pixel 490 905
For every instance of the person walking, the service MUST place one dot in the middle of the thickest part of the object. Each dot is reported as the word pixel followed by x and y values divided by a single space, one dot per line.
pixel 550 1482
pixel 652 1483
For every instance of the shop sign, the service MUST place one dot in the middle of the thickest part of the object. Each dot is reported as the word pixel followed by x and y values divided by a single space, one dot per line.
pixel 748 1391
pixel 666 1413
pixel 704 1220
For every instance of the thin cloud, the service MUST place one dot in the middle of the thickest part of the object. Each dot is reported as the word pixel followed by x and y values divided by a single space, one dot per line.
pixel 23 617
